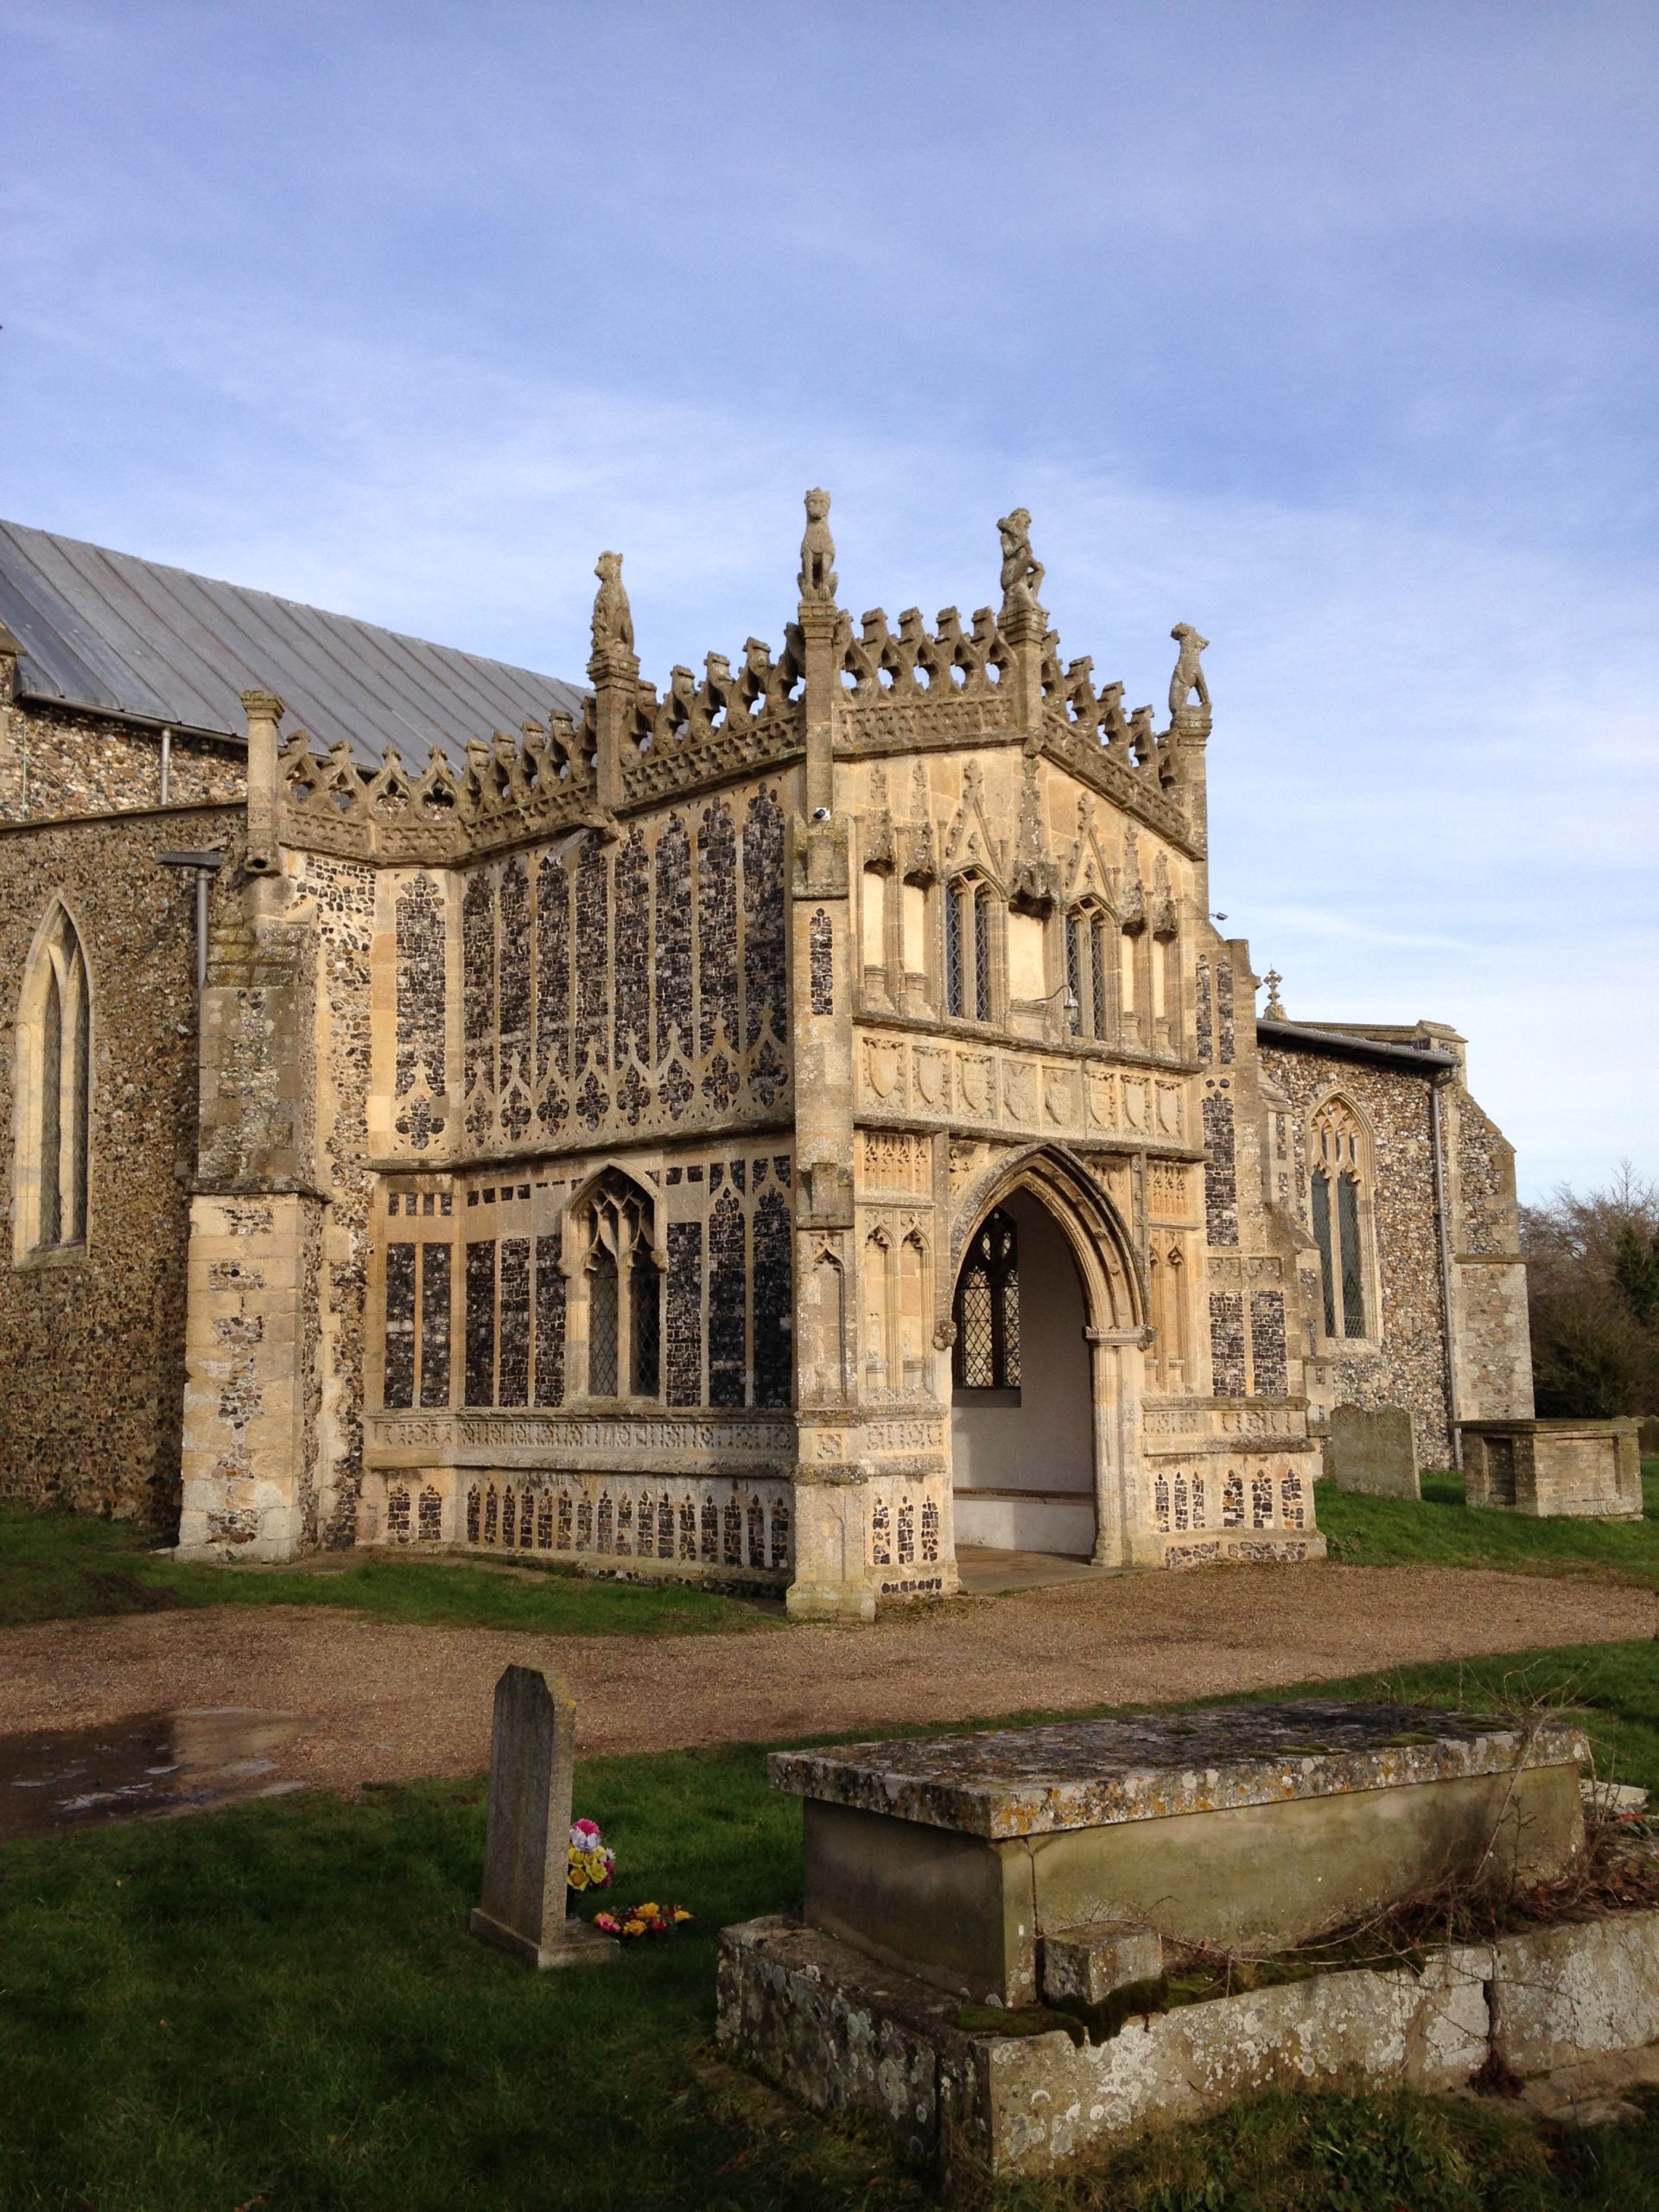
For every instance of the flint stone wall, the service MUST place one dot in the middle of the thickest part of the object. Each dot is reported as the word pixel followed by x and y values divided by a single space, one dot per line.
pixel 1408 1368
pixel 91 1349
pixel 56 761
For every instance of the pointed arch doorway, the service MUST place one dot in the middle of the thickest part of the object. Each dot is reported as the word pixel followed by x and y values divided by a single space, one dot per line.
pixel 1022 1412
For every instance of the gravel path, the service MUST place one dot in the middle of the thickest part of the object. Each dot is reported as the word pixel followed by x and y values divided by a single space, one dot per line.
pixel 383 1703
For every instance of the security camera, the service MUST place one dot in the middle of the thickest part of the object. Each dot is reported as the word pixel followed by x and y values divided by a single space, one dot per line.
pixel 820 814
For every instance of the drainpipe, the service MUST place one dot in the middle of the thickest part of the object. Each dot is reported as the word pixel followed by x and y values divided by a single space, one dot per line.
pixel 1437 1147
pixel 166 764
pixel 206 865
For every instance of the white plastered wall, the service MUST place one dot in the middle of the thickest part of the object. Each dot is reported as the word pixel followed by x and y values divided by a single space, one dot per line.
pixel 1024 1463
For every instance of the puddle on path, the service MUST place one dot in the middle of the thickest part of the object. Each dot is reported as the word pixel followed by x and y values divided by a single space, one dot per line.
pixel 143 1768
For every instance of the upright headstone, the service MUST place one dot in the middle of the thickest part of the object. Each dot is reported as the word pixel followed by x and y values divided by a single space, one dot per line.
pixel 1371 1449
pixel 527 1842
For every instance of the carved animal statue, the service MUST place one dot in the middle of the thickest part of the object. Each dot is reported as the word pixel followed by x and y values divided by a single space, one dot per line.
pixel 817 578
pixel 613 616
pixel 1022 572
pixel 1189 672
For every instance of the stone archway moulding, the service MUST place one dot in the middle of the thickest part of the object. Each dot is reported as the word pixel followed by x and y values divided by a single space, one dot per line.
pixel 1115 1295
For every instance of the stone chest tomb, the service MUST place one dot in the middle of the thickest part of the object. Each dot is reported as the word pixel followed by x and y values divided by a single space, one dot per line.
pixel 1013 1945
pixel 1238 1829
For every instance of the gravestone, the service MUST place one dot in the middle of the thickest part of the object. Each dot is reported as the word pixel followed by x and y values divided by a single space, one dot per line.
pixel 1371 1449
pixel 527 1842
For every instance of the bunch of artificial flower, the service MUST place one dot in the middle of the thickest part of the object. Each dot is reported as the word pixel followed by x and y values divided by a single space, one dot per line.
pixel 643 1920
pixel 592 1862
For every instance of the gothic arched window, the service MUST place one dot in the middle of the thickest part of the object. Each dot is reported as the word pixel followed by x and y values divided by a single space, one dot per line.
pixel 623 1289
pixel 53 1092
pixel 968 950
pixel 987 1308
pixel 1339 1196
pixel 1091 965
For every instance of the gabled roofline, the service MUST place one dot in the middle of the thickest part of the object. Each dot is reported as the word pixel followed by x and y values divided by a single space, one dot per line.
pixel 1296 1037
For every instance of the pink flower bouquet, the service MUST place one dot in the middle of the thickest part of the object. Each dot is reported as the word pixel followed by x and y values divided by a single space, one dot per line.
pixel 592 1863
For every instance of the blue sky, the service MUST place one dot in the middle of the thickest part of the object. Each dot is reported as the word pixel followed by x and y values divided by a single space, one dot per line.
pixel 1328 327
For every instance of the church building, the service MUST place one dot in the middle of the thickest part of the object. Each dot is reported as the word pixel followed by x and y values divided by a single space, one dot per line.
pixel 798 1128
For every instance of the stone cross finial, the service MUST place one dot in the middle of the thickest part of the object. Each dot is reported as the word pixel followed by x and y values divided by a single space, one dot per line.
pixel 817 578
pixel 1273 1011
pixel 613 616
pixel 527 1841
pixel 1189 671
pixel 1022 572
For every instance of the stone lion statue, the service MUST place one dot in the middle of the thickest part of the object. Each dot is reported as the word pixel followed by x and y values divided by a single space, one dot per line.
pixel 817 578
pixel 613 616
pixel 1022 572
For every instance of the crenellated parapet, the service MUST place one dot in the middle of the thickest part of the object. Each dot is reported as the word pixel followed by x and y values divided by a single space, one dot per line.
pixel 507 788
pixel 876 689
pixel 703 730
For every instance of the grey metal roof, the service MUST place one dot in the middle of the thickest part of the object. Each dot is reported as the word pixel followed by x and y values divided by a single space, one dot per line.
pixel 121 636
pixel 1296 1036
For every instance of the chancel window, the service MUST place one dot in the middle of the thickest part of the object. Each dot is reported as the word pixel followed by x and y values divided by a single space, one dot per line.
pixel 624 1286
pixel 53 1092
pixel 987 1354
pixel 1338 1196
pixel 968 949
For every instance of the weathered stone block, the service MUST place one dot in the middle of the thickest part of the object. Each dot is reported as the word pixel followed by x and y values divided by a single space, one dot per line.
pixel 1565 1994
pixel 1085 1965
pixel 1372 1450
pixel 842 2033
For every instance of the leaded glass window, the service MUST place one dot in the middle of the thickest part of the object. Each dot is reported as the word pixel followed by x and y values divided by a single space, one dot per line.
pixel 969 951
pixel 1091 948
pixel 1322 1238
pixel 1353 1281
pixel 955 901
pixel 982 961
pixel 1103 951
pixel 625 1289
pixel 646 1308
pixel 54 1117
pixel 1339 1196
pixel 987 1308
pixel 602 1330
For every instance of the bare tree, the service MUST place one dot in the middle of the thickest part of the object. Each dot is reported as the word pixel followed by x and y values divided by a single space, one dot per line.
pixel 1593 1284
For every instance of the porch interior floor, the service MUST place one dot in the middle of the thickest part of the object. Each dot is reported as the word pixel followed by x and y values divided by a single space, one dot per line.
pixel 985 1573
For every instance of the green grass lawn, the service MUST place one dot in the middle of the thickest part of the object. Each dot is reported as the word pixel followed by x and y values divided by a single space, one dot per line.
pixel 59 1566
pixel 277 2007
pixel 1440 1530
